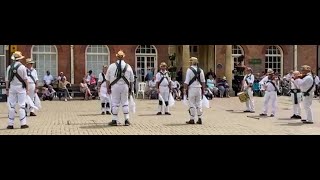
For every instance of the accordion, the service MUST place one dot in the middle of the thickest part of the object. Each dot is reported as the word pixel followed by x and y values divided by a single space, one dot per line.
pixel 243 96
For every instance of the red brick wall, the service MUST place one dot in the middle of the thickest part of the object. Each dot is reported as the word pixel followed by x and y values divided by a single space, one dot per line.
pixel 64 57
pixel 307 55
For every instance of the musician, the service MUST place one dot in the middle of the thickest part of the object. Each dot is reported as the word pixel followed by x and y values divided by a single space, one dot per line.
pixel 296 95
pixel 307 86
pixel 271 90
pixel 247 84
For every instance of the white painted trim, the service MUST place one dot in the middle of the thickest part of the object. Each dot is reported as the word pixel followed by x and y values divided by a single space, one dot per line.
pixel 146 55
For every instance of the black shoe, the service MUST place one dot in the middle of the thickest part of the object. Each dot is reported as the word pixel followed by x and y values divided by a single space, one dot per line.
pixel 24 126
pixel 103 113
pixel 159 113
pixel 127 123
pixel 246 111
pixel 262 114
pixel 293 117
pixel 9 127
pixel 113 123
pixel 199 121
pixel 167 113
pixel 303 120
pixel 108 113
pixel 190 122
pixel 298 117
pixel 307 122
pixel 252 112
pixel 271 115
pixel 32 114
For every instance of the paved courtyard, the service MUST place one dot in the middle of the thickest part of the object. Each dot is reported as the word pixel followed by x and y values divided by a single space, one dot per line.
pixel 78 117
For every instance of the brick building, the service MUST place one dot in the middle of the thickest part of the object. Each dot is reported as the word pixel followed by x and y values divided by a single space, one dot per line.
pixel 57 58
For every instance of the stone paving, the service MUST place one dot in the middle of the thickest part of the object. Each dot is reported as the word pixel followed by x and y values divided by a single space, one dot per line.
pixel 77 117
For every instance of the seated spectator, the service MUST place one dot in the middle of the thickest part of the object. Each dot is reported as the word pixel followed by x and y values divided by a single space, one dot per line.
pixel 211 84
pixel 175 86
pixel 85 89
pixel 48 80
pixel 152 91
pixel 223 87
pixel 63 87
pixel 48 93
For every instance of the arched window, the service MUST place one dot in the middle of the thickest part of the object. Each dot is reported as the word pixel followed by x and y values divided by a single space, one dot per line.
pixel 274 59
pixel 2 61
pixel 237 51
pixel 96 57
pixel 46 58
pixel 146 59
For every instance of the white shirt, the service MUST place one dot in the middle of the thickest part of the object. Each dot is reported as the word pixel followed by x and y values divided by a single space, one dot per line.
pixel 104 84
pixel 249 78
pixel 306 83
pixel 175 84
pixel 317 80
pixel 48 79
pixel 59 78
pixel 294 84
pixel 267 84
pixel 288 76
pixel 21 71
pixel 34 74
pixel 190 75
pixel 159 76
pixel 152 84
pixel 111 73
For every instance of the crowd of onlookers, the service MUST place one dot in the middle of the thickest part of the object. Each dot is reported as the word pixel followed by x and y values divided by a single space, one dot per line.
pixel 60 87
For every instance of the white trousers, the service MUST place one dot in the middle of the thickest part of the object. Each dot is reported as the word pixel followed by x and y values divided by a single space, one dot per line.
pixel 270 96
pixel 307 102
pixel 17 94
pixel 119 96
pixel 165 93
pixel 250 102
pixel 195 105
pixel 105 99
pixel 32 94
pixel 296 107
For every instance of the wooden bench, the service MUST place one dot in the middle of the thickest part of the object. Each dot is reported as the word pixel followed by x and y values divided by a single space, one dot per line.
pixel 74 91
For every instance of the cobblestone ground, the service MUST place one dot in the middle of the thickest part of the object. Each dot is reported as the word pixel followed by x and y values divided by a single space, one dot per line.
pixel 78 117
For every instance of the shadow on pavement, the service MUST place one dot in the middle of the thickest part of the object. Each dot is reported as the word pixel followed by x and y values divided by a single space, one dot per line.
pixel 180 124
pixel 287 119
pixel 292 124
pixel 148 115
pixel 92 115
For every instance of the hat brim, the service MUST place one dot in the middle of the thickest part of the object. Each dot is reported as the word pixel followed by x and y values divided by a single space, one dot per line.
pixel 31 62
pixel 19 58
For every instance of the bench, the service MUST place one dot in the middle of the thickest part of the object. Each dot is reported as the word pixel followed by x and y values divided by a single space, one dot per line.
pixel 74 91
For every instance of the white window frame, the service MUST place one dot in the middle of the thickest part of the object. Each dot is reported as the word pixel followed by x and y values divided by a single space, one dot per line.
pixel 236 56
pixel 37 61
pixel 146 55
pixel 3 54
pixel 97 54
pixel 274 55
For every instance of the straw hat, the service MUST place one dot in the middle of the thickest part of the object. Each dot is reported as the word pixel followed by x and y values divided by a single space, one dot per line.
pixel 29 61
pixel 17 56
pixel 305 68
pixel 270 71
pixel 163 64
pixel 120 54
pixel 194 60
pixel 105 66
pixel 224 78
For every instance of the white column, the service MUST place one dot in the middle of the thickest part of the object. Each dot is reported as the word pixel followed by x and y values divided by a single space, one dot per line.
pixel 72 64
